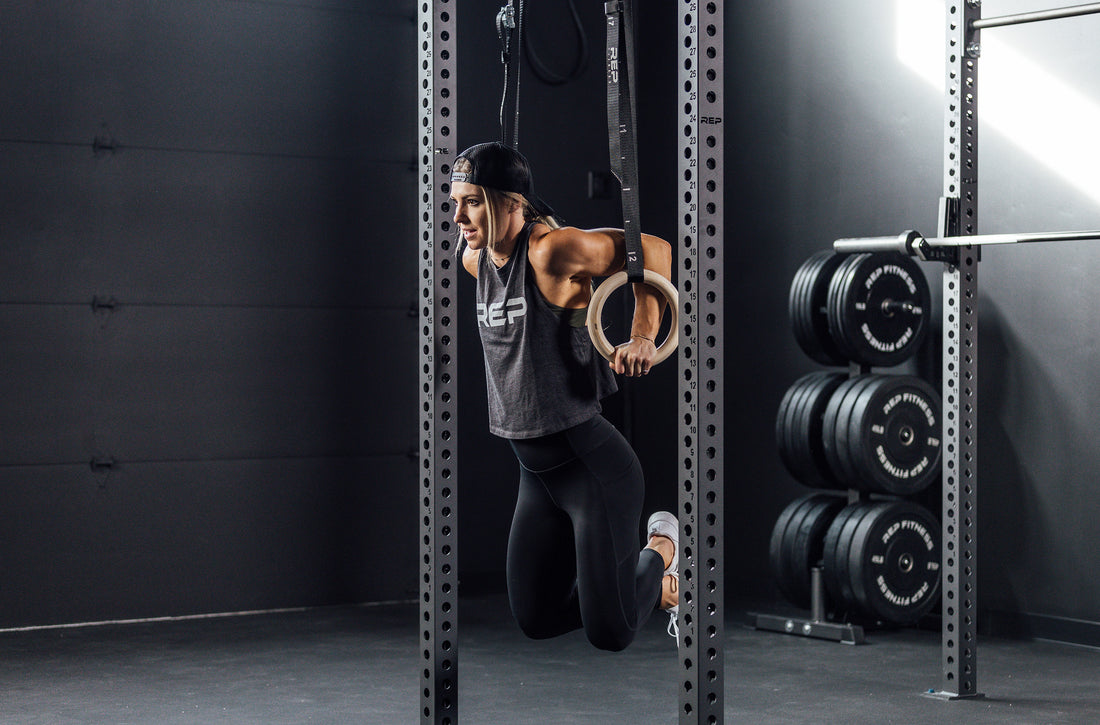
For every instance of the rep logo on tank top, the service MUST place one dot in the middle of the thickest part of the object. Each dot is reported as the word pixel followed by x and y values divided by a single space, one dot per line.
pixel 498 314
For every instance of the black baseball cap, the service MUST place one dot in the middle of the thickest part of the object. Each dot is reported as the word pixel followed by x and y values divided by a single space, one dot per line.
pixel 498 166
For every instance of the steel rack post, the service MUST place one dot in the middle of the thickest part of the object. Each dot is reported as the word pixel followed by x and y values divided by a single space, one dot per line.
pixel 700 355
pixel 959 216
pixel 438 484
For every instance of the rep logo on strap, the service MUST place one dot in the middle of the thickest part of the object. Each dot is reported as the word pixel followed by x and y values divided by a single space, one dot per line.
pixel 498 314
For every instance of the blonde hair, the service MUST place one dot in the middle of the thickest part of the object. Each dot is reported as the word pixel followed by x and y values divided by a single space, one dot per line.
pixel 496 201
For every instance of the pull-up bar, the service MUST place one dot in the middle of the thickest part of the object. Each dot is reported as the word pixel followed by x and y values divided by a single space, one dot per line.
pixel 1034 17
pixel 913 243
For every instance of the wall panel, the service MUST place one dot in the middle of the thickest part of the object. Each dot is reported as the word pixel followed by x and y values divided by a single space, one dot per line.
pixel 169 539
pixel 205 286
pixel 201 229
pixel 248 383
pixel 203 75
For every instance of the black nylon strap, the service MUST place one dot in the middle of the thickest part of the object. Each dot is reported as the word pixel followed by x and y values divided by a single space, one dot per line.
pixel 508 24
pixel 621 132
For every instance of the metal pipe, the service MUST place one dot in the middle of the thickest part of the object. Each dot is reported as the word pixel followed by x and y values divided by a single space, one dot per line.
pixel 1036 16
pixel 817 595
pixel 906 243
pixel 872 244
pixel 988 239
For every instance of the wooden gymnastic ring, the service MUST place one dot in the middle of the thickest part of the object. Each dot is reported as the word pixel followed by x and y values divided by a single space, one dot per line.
pixel 612 283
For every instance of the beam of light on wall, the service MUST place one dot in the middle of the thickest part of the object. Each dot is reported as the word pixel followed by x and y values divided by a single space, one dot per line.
pixel 1040 113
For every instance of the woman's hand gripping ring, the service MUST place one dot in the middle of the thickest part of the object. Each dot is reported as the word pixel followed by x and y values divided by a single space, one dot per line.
pixel 612 283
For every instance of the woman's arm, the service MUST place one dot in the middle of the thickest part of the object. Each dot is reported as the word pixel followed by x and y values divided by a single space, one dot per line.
pixel 578 255
pixel 649 302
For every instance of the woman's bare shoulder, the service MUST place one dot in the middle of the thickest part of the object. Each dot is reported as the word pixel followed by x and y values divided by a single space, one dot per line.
pixel 571 250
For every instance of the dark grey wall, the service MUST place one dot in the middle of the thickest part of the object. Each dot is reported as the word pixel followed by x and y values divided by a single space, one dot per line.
pixel 832 136
pixel 213 169
pixel 1040 396
pixel 827 137
pixel 211 173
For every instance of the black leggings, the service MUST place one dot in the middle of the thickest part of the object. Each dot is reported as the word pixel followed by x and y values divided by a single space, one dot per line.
pixel 573 551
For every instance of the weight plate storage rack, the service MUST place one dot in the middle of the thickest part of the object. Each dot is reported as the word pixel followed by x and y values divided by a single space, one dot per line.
pixel 857 434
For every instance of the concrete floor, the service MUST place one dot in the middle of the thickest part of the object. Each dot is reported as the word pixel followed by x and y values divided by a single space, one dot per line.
pixel 360 665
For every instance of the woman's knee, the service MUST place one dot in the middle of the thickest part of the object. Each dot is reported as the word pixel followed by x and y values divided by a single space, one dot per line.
pixel 534 627
pixel 608 640
pixel 539 622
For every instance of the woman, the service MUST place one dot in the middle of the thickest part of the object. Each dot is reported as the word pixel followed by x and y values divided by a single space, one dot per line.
pixel 573 550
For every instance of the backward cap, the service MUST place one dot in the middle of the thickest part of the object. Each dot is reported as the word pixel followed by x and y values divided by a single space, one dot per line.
pixel 501 167
pixel 496 166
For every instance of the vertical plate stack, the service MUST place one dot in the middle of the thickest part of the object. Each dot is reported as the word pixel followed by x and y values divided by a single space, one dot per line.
pixel 872 435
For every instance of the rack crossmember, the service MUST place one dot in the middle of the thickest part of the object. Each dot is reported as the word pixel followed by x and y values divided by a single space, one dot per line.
pixel 1037 16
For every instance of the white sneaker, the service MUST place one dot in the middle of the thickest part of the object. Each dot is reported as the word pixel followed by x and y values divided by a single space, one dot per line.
pixel 662 523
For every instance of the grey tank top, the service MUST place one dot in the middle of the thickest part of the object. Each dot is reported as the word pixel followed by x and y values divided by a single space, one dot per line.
pixel 543 374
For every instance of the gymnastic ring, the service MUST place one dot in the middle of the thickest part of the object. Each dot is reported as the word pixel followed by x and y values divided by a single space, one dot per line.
pixel 612 283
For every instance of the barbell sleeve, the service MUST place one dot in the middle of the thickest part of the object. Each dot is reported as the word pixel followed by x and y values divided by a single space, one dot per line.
pixel 900 243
